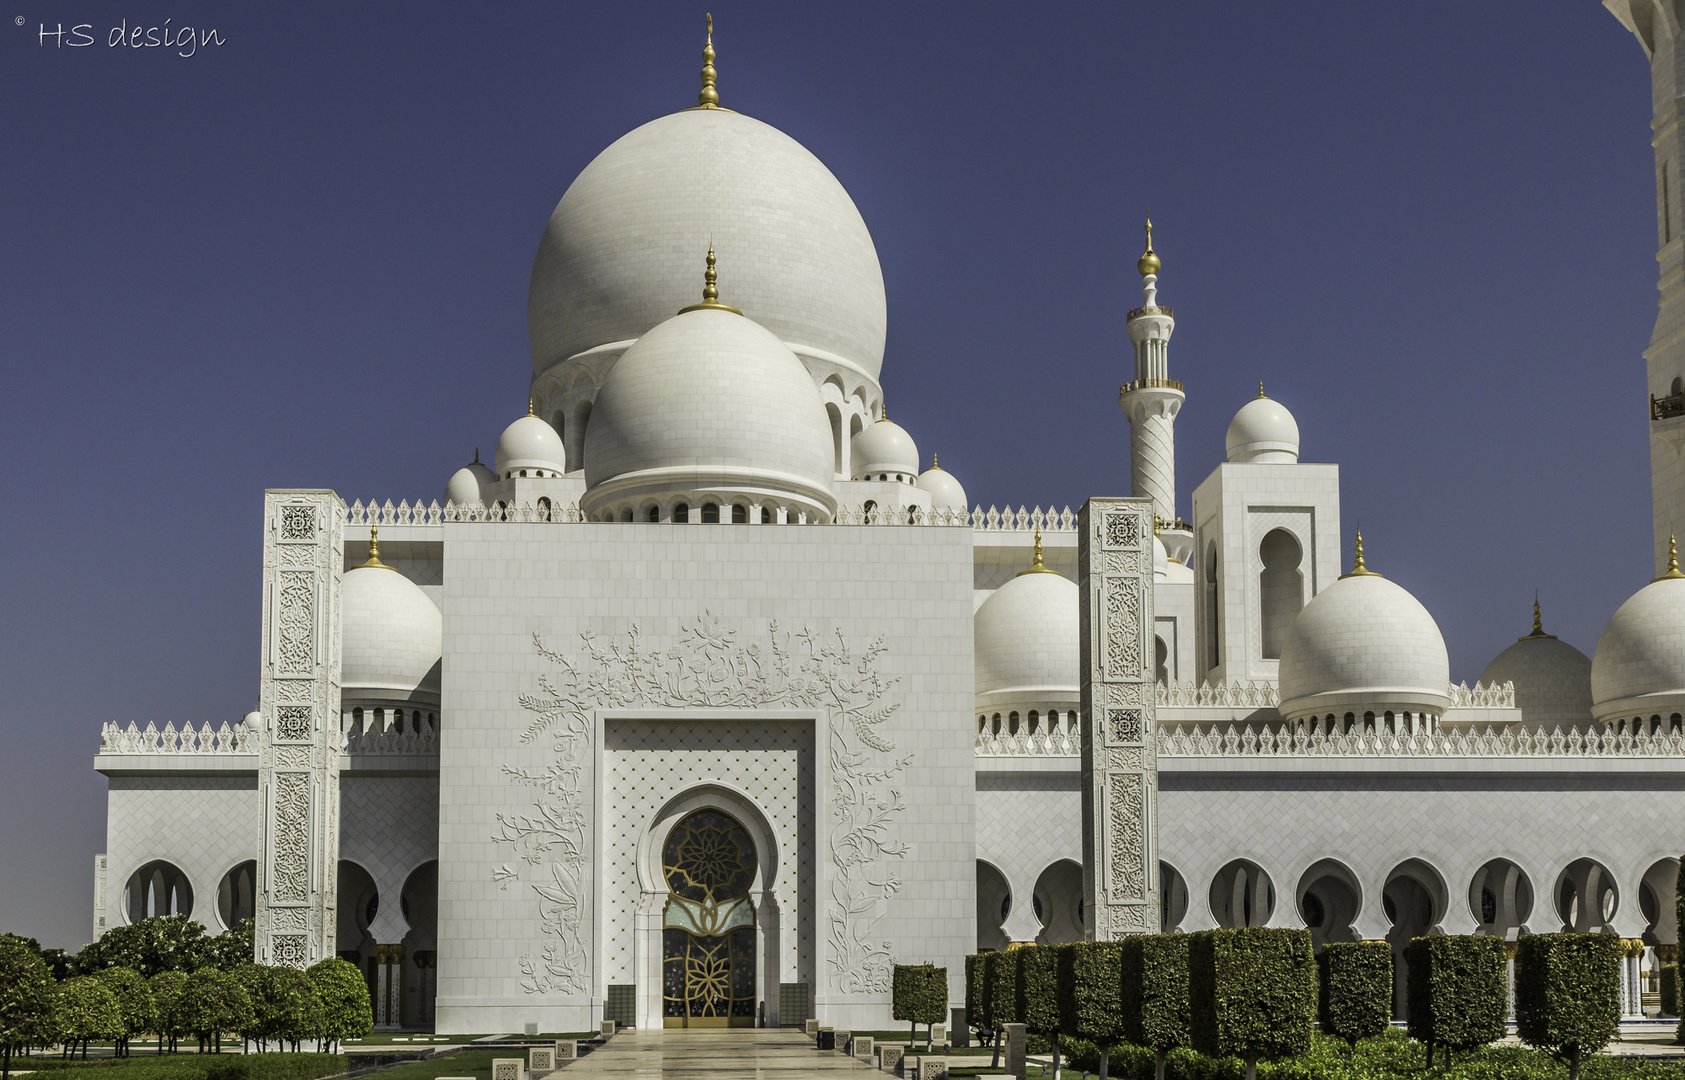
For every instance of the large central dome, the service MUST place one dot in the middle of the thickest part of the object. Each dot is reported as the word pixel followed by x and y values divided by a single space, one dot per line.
pixel 619 254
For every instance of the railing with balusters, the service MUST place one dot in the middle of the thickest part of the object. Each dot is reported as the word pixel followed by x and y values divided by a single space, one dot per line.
pixel 1023 519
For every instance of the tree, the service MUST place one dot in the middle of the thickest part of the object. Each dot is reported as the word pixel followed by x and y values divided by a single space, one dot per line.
pixel 165 943
pixel 60 965
pixel 84 1009
pixel 212 1002
pixel 1251 993
pixel 26 997
pixel 134 1003
pixel 1090 995
pixel 346 1012
pixel 1568 994
pixel 166 994
pixel 1153 976
pixel 233 947
pixel 1458 991
pixel 285 1004
pixel 1038 992
pixel 919 995
pixel 1355 999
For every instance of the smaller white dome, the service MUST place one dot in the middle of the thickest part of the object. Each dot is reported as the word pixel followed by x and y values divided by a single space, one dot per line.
pixel 945 492
pixel 254 720
pixel 467 485
pixel 1552 679
pixel 392 637
pixel 1028 647
pixel 884 448
pixel 530 443
pixel 1364 644
pixel 1263 431
pixel 1161 560
pixel 1638 668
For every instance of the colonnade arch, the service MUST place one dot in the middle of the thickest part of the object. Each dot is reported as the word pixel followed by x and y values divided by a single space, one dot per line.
pixel 1172 899
pixel 1586 897
pixel 1242 894
pixel 1329 899
pixel 157 888
pixel 1058 903
pixel 994 904
pixel 1501 899
pixel 1660 882
pixel 236 894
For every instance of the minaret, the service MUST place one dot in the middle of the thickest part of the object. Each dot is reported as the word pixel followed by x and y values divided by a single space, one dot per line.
pixel 1153 399
pixel 1661 39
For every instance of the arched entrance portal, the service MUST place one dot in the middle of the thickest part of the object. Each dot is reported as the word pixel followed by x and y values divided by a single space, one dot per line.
pixel 708 926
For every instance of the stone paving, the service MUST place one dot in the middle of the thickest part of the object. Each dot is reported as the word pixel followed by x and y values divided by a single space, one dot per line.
pixel 744 1053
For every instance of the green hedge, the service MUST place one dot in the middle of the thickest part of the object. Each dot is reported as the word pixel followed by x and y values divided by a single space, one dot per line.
pixel 919 993
pixel 1038 988
pixel 1568 994
pixel 976 1012
pixel 209 1067
pixel 1003 989
pixel 1670 989
pixel 1355 990
pixel 1251 993
pixel 1154 990
pixel 1090 992
pixel 1457 993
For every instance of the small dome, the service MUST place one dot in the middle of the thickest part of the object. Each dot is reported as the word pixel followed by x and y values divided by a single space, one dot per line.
pixel 1552 679
pixel 1263 431
pixel 710 402
pixel 392 637
pixel 945 491
pixel 467 485
pixel 1161 560
pixel 530 443
pixel 254 720
pixel 1027 642
pixel 1638 668
pixel 618 255
pixel 884 448
pixel 1363 644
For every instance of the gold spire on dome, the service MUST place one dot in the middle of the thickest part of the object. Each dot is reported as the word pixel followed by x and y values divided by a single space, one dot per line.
pixel 1148 263
pixel 476 455
pixel 709 98
pixel 374 547
pixel 1538 625
pixel 710 291
pixel 883 410
pixel 529 406
pixel 1358 569
pixel 935 461
pixel 1260 388
pixel 1037 567
pixel 1672 561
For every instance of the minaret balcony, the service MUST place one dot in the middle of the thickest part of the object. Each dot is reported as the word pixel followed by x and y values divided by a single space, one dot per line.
pixel 1148 384
pixel 1150 309
pixel 1668 407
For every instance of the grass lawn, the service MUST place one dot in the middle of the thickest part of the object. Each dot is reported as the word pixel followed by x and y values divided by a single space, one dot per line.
pixel 411 1038
pixel 475 1063
pixel 577 1036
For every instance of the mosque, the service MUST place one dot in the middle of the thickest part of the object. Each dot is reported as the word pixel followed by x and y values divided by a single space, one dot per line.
pixel 706 700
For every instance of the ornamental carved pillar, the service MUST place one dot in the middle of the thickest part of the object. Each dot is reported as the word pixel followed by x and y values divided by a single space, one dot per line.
pixel 389 987
pixel 1119 756
pixel 299 744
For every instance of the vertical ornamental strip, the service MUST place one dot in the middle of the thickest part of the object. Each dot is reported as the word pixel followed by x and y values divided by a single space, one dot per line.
pixel 1119 762
pixel 298 753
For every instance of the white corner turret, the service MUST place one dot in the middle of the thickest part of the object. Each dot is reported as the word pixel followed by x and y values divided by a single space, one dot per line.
pixel 467 486
pixel 529 447
pixel 1263 431
pixel 945 491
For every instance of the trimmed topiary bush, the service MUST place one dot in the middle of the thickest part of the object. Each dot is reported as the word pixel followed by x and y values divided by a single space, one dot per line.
pixel 346 1011
pixel 1457 993
pixel 211 1004
pixel 134 1003
pixel 1568 994
pixel 919 995
pixel 1355 995
pixel 1251 993
pixel 84 1009
pixel 26 998
pixel 1038 992
pixel 166 992
pixel 1669 978
pixel 1090 997
pixel 1003 989
pixel 1153 989
pixel 976 1013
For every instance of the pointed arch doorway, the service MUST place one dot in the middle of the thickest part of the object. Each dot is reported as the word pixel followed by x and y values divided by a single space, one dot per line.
pixel 708 924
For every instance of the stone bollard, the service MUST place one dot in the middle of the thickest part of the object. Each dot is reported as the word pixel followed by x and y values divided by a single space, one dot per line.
pixel 508 1069
pixel 811 1027
pixel 1014 1051
pixel 541 1059
pixel 959 1024
pixel 841 1040
pixel 938 1035
pixel 861 1047
pixel 889 1058
pixel 605 1030
pixel 567 1050
pixel 825 1039
pixel 933 1068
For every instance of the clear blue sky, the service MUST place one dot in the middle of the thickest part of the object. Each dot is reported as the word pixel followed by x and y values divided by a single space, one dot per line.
pixel 300 259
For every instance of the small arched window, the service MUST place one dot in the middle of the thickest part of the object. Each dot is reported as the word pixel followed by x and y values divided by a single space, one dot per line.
pixel 544 509
pixel 1012 723
pixel 710 513
pixel 1035 721
pixel 739 514
pixel 653 514
pixel 766 515
pixel 997 723
pixel 681 513
pixel 871 511
pixel 1281 589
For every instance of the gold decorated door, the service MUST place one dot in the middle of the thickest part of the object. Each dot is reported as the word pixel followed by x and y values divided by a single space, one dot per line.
pixel 708 928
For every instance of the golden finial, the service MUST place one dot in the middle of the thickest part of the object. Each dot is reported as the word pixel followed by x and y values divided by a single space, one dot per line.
pixel 710 291
pixel 1148 263
pixel 529 406
pixel 1037 567
pixel 1672 560
pixel 935 460
pixel 883 411
pixel 1538 625
pixel 476 455
pixel 1358 569
pixel 709 98
pixel 1157 521
pixel 374 548
pixel 1260 388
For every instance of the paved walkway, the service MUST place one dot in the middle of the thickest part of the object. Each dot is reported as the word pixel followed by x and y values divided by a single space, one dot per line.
pixel 739 1054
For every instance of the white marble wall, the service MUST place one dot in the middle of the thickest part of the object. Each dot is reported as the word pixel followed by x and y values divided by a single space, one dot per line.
pixel 204 824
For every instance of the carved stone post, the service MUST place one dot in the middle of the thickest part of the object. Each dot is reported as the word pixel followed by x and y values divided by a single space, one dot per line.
pixel 1119 758
pixel 298 752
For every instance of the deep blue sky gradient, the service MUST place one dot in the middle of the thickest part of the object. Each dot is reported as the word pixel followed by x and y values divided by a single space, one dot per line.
pixel 301 259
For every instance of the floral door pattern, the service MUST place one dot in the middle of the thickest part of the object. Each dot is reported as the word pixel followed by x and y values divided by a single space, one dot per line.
pixel 708 928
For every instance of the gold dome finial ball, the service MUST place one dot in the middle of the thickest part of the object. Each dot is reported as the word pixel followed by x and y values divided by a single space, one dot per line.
pixel 1148 263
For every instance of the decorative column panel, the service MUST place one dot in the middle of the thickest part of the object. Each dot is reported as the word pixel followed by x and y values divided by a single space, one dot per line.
pixel 298 754
pixel 1119 758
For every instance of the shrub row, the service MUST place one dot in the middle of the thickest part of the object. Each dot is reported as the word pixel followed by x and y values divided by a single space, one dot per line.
pixel 233 1067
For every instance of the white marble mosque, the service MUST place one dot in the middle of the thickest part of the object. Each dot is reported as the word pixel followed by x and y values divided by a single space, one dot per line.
pixel 706 698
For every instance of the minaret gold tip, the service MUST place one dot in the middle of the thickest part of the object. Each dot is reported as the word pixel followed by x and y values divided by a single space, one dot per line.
pixel 374 548
pixel 1672 560
pixel 1358 569
pixel 710 291
pixel 709 98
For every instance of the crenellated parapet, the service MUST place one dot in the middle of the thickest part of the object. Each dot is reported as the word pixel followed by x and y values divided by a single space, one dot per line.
pixel 205 739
